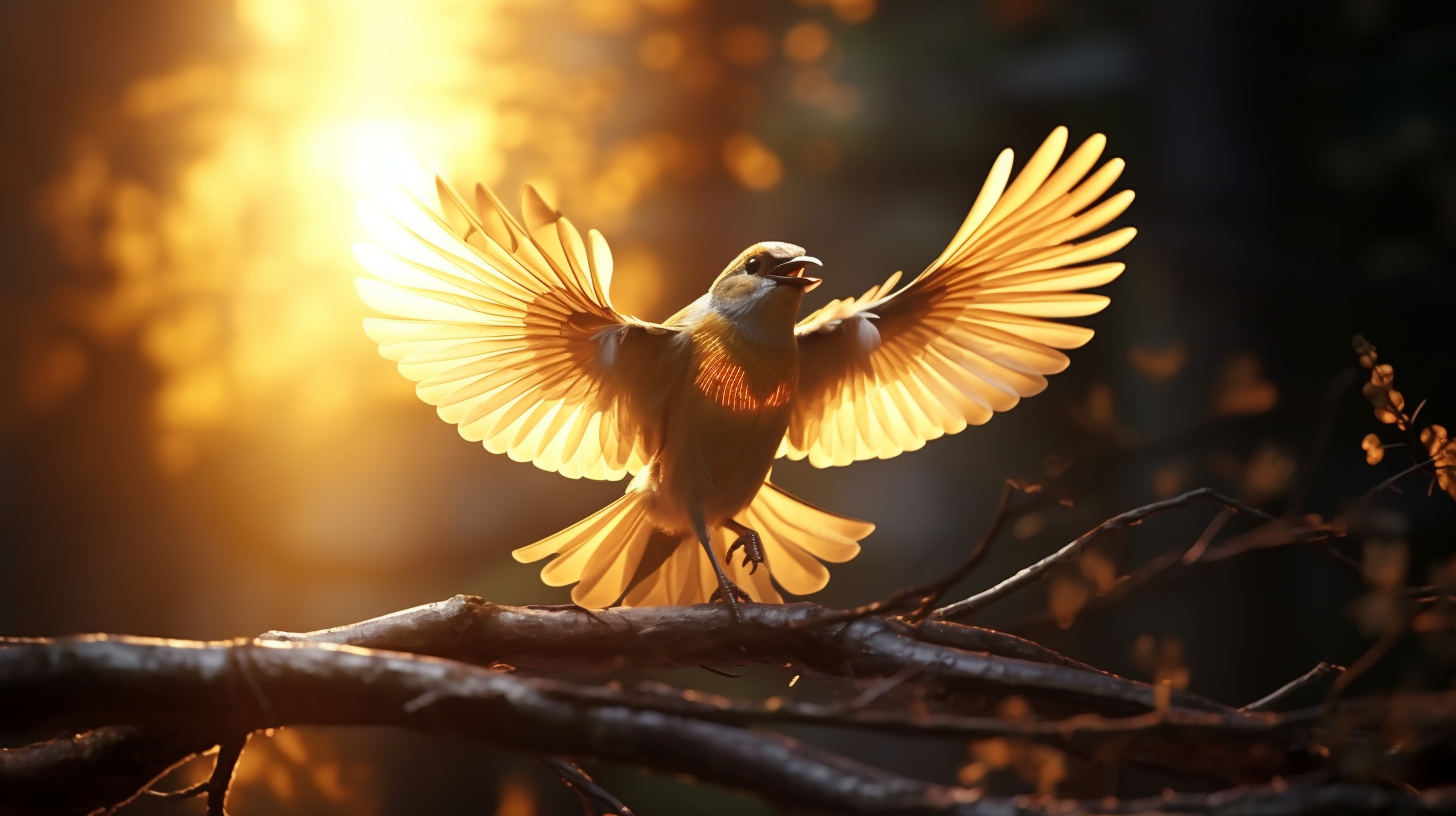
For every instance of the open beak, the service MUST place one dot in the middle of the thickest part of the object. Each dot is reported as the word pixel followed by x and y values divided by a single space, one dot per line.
pixel 791 273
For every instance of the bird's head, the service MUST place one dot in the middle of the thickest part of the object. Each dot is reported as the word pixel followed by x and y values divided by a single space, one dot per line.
pixel 761 289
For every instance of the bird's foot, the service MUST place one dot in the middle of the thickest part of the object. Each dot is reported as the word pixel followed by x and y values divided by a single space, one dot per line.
pixel 735 594
pixel 752 549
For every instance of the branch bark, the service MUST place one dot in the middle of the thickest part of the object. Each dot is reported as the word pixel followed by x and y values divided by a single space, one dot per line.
pixel 472 630
pixel 236 687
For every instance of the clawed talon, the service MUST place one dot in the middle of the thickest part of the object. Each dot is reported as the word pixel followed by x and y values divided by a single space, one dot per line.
pixel 752 549
pixel 739 595
pixel 750 542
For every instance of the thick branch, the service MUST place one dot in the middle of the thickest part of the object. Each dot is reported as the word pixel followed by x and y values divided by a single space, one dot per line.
pixel 95 770
pixel 469 629
pixel 234 688
pixel 230 688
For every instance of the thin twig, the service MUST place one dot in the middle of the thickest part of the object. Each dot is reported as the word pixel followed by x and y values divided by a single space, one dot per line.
pixel 229 751
pixel 185 793
pixel 930 593
pixel 1372 656
pixel 595 800
pixel 1073 549
pixel 884 687
pixel 1390 483
pixel 1298 684
pixel 1174 561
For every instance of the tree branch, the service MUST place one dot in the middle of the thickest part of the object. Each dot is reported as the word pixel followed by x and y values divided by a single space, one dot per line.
pixel 1295 686
pixel 231 687
pixel 1117 522
pixel 595 800
pixel 99 769
pixel 551 638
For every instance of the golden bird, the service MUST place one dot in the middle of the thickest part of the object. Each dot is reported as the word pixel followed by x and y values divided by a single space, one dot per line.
pixel 510 332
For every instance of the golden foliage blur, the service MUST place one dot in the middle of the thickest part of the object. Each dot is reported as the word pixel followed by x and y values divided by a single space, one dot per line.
pixel 517 796
pixel 1159 364
pixel 1269 473
pixel 806 42
pixel 233 272
pixel 1101 405
pixel 746 46
pixel 1071 587
pixel 1384 563
pixel 821 154
pixel 1028 526
pixel 1170 478
pixel 848 11
pixel 1067 593
pixel 1163 659
pixel 51 369
pixel 817 87
pixel 1241 388
pixel 306 770
pixel 751 163
pixel 661 50
pixel 1043 766
pixel 1099 569
pixel 1438 623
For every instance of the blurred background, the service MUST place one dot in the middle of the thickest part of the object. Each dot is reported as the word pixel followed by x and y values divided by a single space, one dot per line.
pixel 197 440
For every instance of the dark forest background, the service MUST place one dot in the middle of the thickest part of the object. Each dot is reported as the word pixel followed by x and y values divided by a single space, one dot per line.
pixel 1295 165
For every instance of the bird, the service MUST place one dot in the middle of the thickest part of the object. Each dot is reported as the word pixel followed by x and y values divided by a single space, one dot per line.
pixel 508 328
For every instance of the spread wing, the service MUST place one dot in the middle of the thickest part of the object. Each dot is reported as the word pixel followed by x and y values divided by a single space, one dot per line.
pixel 884 373
pixel 511 333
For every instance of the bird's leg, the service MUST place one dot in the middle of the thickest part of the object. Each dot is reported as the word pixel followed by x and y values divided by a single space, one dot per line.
pixel 750 542
pixel 727 590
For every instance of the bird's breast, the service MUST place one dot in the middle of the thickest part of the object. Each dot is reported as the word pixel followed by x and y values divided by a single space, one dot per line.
pixel 739 375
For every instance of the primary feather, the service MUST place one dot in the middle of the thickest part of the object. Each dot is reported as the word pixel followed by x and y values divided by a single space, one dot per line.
pixel 885 373
pixel 510 332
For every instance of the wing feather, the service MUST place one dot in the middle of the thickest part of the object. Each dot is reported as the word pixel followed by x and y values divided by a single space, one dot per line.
pixel 509 331
pixel 975 332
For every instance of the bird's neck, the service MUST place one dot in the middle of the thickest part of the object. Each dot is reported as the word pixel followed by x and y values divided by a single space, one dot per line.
pixel 767 321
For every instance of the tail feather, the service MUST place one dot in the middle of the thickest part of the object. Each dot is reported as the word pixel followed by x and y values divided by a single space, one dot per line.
pixel 617 550
pixel 579 546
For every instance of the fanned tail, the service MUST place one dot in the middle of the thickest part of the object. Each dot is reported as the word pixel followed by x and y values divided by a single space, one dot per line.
pixel 605 551
pixel 797 538
pixel 599 554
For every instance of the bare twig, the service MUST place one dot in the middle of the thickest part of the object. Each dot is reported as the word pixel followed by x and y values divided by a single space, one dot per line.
pixel 1298 684
pixel 1265 537
pixel 595 800
pixel 183 793
pixel 992 641
pixel 1390 483
pixel 929 593
pixel 95 770
pixel 1372 656
pixel 884 687
pixel 1118 522
pixel 229 751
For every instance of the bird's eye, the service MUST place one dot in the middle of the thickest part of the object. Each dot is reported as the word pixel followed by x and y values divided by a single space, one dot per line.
pixel 751 265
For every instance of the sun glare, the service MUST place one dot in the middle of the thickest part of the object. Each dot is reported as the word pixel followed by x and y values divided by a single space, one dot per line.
pixel 235 267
